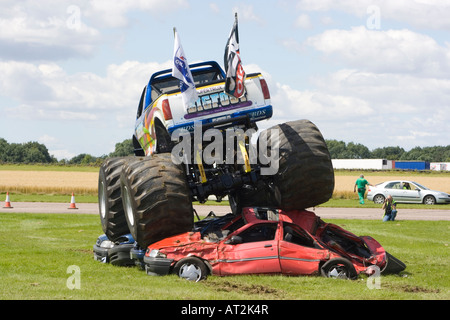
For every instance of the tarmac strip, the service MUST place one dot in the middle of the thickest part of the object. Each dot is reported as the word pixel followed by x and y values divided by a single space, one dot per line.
pixel 203 210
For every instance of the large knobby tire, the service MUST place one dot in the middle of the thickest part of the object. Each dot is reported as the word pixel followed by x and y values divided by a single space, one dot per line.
pixel 305 176
pixel 156 199
pixel 111 211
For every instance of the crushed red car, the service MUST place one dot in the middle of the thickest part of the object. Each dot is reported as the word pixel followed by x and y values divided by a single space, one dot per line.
pixel 268 241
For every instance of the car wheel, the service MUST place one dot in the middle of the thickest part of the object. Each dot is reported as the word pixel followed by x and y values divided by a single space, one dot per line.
pixel 191 268
pixel 379 199
pixel 429 200
pixel 338 268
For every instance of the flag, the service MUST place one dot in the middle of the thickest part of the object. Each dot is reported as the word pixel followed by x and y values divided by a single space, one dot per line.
pixel 235 74
pixel 181 71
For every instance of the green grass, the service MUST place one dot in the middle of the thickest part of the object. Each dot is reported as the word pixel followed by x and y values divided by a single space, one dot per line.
pixel 37 249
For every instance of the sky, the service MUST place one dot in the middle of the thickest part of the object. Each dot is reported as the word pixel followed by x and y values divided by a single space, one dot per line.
pixel 374 72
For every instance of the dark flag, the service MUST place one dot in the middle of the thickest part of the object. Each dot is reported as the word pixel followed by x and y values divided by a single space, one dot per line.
pixel 234 84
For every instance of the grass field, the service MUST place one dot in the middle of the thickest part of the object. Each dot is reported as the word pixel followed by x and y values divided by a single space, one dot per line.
pixel 36 251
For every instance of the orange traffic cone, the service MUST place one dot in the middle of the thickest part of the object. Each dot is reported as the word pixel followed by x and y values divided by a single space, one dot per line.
pixel 72 203
pixel 7 202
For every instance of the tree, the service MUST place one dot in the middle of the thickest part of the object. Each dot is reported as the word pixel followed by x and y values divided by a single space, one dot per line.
pixel 123 149
pixel 389 153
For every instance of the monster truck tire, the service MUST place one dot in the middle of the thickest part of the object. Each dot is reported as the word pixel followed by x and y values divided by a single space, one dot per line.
pixel 156 199
pixel 305 176
pixel 111 211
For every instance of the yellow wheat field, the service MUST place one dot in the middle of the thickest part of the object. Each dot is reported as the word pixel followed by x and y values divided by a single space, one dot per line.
pixel 59 182
pixel 63 182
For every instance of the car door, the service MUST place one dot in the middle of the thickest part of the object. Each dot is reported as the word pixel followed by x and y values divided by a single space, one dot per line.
pixel 395 189
pixel 299 254
pixel 411 192
pixel 255 251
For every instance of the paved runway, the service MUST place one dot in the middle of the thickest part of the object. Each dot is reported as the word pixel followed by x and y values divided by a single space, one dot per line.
pixel 203 210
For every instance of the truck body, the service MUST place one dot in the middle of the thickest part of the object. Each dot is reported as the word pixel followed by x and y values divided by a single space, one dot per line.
pixel 161 110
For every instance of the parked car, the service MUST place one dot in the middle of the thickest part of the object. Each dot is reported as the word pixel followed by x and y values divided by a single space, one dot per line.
pixel 406 192
pixel 122 252
pixel 268 241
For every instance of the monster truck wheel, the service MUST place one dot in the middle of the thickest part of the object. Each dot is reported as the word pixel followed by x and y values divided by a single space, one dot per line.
pixel 305 176
pixel 156 199
pixel 111 210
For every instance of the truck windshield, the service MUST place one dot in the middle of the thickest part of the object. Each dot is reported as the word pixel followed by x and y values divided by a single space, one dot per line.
pixel 167 84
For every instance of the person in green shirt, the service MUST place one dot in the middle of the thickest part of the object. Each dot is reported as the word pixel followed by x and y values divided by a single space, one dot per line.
pixel 361 184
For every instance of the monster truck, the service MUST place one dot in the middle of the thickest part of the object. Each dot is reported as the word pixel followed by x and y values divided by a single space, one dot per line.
pixel 150 195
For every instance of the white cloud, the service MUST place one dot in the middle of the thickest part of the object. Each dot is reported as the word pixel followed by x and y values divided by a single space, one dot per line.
pixel 422 13
pixel 46 91
pixel 55 30
pixel 103 13
pixel 247 13
pixel 391 51
pixel 303 22
pixel 27 32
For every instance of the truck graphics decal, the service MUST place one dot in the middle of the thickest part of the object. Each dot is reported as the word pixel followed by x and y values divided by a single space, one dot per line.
pixel 214 103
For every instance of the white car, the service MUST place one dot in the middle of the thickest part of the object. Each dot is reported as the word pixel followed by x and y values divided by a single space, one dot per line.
pixel 406 192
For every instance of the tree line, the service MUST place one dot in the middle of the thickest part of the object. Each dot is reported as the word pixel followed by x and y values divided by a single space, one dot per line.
pixel 34 152
pixel 342 150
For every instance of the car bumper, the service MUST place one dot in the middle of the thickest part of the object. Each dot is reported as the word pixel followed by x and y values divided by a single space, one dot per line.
pixel 157 266
pixel 101 254
pixel 443 200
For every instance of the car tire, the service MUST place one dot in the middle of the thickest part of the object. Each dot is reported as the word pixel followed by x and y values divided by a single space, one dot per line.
pixel 156 199
pixel 305 176
pixel 429 200
pixel 378 199
pixel 111 211
pixel 339 268
pixel 191 268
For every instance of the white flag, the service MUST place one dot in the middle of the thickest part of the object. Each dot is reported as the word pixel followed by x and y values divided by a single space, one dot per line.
pixel 181 71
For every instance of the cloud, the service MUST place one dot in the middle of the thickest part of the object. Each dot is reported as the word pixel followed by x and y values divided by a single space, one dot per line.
pixel 303 22
pixel 247 13
pixel 421 13
pixel 58 30
pixel 27 32
pixel 391 51
pixel 46 91
pixel 103 13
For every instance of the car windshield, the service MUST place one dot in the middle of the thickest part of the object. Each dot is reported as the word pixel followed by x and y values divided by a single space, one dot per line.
pixel 420 186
